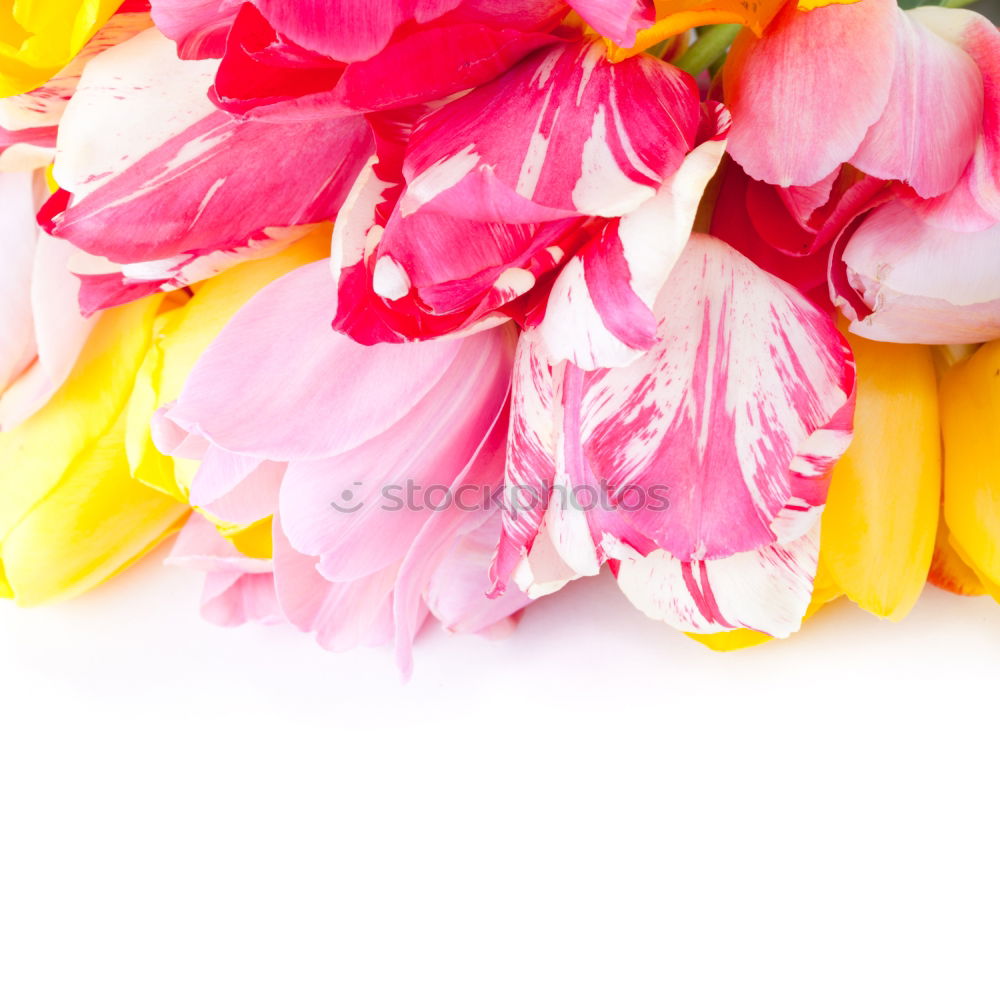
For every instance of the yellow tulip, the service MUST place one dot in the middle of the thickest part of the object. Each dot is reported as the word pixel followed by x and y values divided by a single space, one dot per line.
pixel 71 515
pixel 949 570
pixel 970 424
pixel 38 38
pixel 881 515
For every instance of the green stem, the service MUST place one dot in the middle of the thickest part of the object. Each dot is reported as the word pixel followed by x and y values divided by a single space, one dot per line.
pixel 957 3
pixel 711 45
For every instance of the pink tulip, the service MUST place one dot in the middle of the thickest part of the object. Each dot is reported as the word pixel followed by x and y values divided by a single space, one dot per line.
pixel 331 439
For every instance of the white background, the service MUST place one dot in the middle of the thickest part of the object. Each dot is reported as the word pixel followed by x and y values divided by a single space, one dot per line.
pixel 596 807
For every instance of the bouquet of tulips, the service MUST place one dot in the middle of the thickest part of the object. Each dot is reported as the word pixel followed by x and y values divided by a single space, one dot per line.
pixel 398 309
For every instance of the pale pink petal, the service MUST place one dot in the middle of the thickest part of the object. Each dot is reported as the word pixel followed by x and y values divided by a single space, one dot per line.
pixel 804 96
pixel 230 599
pixel 199 27
pixel 199 546
pixel 360 510
pixel 914 282
pixel 339 615
pixel 975 201
pixel 600 310
pixel 766 589
pixel 929 129
pixel 334 394
pixel 565 132
pixel 618 20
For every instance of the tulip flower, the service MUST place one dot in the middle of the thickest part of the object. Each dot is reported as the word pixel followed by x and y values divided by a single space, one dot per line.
pixel 970 418
pixel 352 560
pixel 882 510
pixel 908 105
pixel 471 208
pixel 71 515
pixel 700 470
pixel 40 39
pixel 141 140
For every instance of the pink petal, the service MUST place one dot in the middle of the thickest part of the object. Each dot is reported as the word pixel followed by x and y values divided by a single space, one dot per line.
pixel 230 396
pixel 804 96
pixel 565 132
pixel 347 30
pixel 360 510
pixel 618 20
pixel 929 129
pixel 199 27
pixel 766 589
pixel 918 283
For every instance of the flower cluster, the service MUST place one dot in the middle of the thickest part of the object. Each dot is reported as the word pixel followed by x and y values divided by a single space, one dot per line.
pixel 397 309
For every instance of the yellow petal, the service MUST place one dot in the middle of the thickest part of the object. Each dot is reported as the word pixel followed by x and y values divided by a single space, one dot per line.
pixel 38 38
pixel 35 455
pixel 970 424
pixel 97 521
pixel 70 513
pixel 881 515
pixel 254 540
pixel 949 570
pixel 181 337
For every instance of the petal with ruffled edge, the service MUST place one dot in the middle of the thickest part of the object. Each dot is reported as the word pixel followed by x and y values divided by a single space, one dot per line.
pixel 914 282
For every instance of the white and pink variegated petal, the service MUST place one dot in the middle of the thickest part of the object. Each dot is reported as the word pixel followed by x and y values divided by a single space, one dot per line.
pixel 339 615
pixel 787 129
pixel 921 283
pixel 199 546
pixel 766 589
pixel 351 243
pixel 600 310
pixel 618 20
pixel 212 181
pixel 60 331
pixel 980 39
pixel 726 413
pixel 230 395
pixel 105 284
pixel 531 455
pixel 360 511
pixel 928 131
pixel 18 240
pixel 347 30
pixel 199 27
pixel 28 150
pixel 565 132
